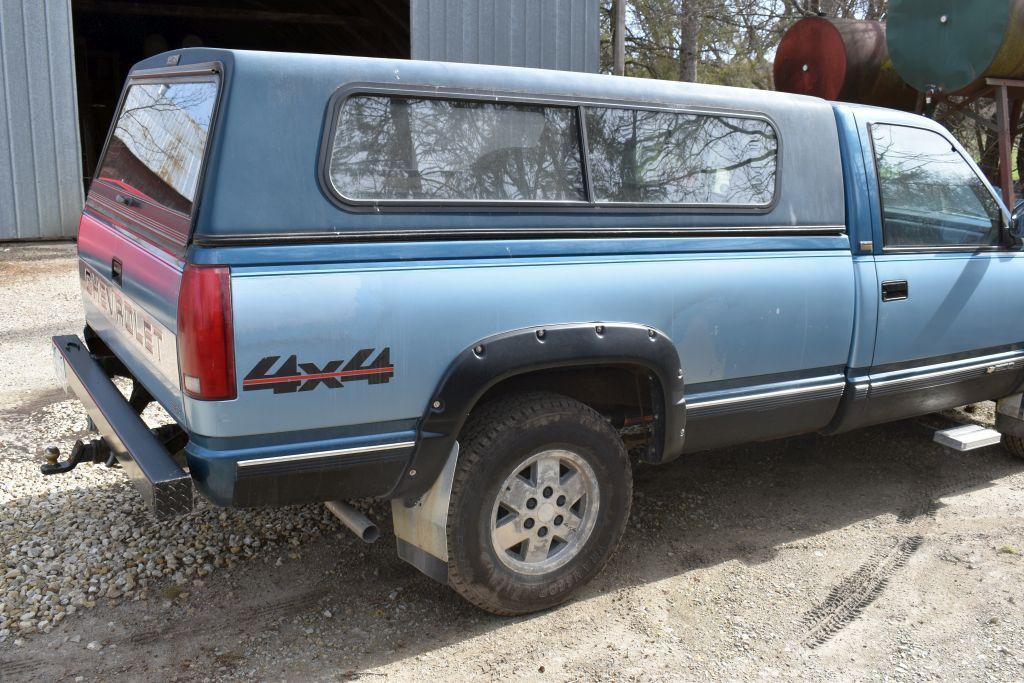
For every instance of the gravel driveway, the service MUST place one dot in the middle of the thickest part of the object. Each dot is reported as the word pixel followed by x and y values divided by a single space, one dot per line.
pixel 872 555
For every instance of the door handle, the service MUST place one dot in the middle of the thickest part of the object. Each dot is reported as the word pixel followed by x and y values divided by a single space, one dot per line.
pixel 895 290
pixel 117 272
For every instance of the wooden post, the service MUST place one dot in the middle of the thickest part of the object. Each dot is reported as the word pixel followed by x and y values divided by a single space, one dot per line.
pixel 1005 146
pixel 619 37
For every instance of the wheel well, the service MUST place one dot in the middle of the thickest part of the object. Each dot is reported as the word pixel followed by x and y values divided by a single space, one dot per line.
pixel 607 366
pixel 626 395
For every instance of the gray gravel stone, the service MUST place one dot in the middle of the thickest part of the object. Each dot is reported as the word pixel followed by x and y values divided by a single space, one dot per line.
pixel 68 544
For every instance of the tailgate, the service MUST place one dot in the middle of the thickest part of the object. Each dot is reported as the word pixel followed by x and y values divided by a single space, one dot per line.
pixel 130 294
pixel 137 222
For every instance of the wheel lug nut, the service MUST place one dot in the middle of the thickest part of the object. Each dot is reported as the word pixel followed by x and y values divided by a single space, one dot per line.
pixel 528 524
pixel 558 520
pixel 542 532
pixel 532 503
pixel 548 491
pixel 560 501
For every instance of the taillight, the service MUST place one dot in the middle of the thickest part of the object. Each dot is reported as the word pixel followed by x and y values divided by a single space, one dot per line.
pixel 206 348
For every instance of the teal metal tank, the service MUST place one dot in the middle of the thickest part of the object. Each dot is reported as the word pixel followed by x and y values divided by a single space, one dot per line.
pixel 954 45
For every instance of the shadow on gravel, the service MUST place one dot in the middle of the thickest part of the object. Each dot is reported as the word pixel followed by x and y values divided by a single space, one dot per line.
pixel 25 252
pixel 346 607
pixel 42 399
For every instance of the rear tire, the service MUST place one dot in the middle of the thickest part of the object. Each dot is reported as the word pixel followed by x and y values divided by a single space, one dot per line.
pixel 1014 445
pixel 539 502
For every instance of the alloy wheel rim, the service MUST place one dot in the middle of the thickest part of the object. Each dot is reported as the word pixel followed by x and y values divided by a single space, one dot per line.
pixel 545 512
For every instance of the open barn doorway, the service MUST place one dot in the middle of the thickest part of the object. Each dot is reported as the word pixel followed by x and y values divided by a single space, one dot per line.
pixel 111 35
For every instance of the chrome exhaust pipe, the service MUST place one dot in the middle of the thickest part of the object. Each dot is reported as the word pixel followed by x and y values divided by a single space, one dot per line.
pixel 356 521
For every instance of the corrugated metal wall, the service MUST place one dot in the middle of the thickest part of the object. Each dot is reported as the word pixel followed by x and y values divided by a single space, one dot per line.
pixel 40 157
pixel 40 151
pixel 550 34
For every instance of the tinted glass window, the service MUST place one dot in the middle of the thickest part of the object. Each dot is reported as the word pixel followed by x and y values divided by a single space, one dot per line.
pixel 442 149
pixel 671 158
pixel 156 150
pixel 931 196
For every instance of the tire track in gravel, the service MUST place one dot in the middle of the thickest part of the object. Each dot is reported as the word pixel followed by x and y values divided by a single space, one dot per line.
pixel 848 600
pixel 851 596
pixel 11 667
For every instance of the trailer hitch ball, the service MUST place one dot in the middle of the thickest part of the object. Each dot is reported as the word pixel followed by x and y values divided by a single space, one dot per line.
pixel 53 464
pixel 94 451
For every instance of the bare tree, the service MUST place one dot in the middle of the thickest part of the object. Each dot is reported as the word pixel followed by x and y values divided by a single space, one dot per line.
pixel 689 35
pixel 714 41
pixel 733 42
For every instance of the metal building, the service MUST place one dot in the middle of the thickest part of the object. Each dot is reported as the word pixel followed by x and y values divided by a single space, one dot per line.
pixel 548 34
pixel 62 64
pixel 40 162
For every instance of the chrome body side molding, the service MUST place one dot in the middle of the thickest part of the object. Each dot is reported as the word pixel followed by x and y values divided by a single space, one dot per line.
pixel 765 396
pixel 321 455
pixel 937 374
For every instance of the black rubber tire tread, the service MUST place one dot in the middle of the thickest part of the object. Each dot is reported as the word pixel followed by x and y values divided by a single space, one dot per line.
pixel 1014 445
pixel 487 426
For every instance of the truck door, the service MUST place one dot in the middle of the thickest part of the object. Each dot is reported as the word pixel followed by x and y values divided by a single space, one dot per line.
pixel 950 316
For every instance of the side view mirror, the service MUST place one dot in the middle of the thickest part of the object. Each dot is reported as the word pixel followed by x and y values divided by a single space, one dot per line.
pixel 1017 223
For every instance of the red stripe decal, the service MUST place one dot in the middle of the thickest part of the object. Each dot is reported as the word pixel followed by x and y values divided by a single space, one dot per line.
pixel 322 375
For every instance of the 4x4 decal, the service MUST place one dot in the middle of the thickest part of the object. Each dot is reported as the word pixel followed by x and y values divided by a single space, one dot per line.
pixel 292 376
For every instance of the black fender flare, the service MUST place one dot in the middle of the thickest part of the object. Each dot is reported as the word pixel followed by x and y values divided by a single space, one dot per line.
pixel 494 359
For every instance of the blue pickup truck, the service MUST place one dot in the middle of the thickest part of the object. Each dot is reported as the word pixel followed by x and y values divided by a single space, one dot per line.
pixel 456 287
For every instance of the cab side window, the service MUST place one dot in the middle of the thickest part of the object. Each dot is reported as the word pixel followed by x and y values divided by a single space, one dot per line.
pixel 931 196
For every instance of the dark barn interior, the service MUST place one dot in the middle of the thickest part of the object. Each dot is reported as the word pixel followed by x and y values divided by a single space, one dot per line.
pixel 111 35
